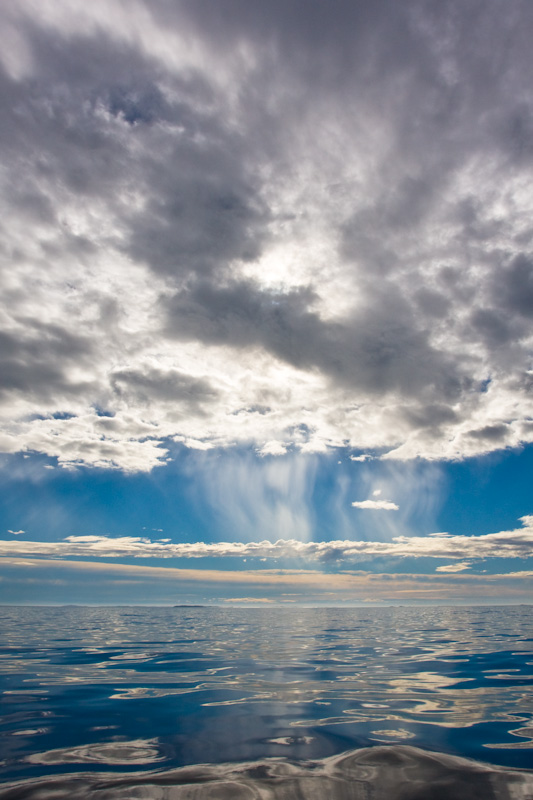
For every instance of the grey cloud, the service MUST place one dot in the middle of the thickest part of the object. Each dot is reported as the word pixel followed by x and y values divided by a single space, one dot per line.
pixel 527 427
pixel 328 31
pixel 137 105
pixel 38 361
pixel 34 205
pixel 200 206
pixel 60 128
pixel 514 285
pixel 149 384
pixel 430 416
pixel 241 314
pixel 432 303
pixel 56 140
pixel 202 210
pixel 377 351
pixel 337 188
pixel 493 327
pixel 367 235
pixel 490 433
pixel 517 133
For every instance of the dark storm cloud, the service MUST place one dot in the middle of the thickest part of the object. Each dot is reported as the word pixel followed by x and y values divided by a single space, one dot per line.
pixel 436 66
pixel 201 211
pixel 448 102
pixel 493 327
pixel 514 285
pixel 37 362
pixel 102 121
pixel 150 383
pixel 339 188
pixel 52 134
pixel 378 351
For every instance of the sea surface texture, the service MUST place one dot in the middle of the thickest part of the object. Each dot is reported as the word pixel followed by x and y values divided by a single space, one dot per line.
pixel 196 703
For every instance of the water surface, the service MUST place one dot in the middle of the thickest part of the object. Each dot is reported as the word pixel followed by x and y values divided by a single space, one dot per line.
pixel 138 694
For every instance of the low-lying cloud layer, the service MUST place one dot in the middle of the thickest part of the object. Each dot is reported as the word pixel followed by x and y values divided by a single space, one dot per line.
pixel 505 544
pixel 298 225
pixel 102 583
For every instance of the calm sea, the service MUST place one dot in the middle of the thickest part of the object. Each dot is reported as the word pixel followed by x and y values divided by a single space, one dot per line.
pixel 255 703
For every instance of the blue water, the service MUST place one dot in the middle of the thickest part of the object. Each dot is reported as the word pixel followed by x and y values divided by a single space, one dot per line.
pixel 143 690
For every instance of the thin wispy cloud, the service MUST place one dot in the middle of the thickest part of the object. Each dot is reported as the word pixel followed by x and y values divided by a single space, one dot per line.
pixel 459 567
pixel 104 582
pixel 250 497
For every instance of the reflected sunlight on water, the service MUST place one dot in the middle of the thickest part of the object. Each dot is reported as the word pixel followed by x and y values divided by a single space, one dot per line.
pixel 144 689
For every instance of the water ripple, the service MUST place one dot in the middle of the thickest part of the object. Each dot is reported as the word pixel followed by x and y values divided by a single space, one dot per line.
pixel 212 685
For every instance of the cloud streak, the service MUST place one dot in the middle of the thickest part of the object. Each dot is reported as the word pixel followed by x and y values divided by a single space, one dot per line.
pixel 103 583
pixel 376 505
pixel 504 544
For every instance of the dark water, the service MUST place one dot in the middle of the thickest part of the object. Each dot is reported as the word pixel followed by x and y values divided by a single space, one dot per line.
pixel 347 703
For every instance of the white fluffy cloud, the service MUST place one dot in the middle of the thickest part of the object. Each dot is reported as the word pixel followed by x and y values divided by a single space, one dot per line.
pixel 220 225
pixel 376 505
pixel 504 544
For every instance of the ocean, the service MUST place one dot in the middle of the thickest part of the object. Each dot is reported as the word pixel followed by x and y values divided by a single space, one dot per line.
pixel 277 702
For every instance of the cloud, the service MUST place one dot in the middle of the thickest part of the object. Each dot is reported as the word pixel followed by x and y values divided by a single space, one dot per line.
pixel 84 581
pixel 377 505
pixel 250 498
pixel 239 228
pixel 273 449
pixel 459 567
pixel 505 544
pixel 121 441
pixel 248 600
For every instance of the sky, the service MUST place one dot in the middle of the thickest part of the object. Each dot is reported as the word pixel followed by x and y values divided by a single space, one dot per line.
pixel 267 294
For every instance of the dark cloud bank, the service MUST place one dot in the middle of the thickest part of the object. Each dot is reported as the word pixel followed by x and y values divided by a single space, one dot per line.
pixel 321 210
